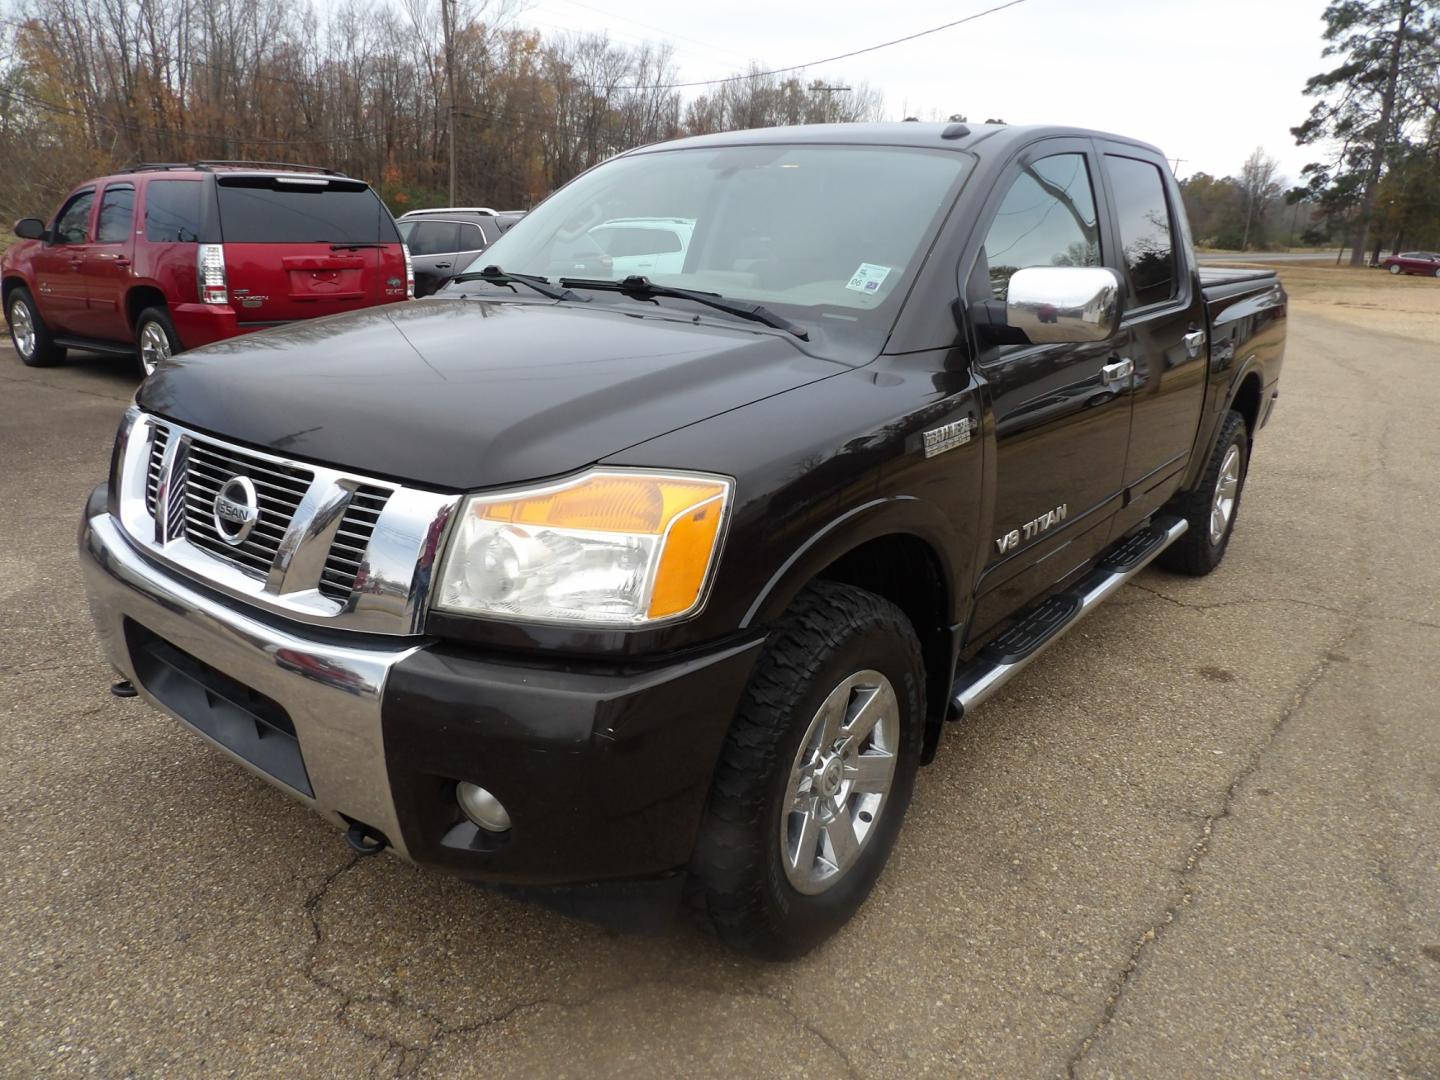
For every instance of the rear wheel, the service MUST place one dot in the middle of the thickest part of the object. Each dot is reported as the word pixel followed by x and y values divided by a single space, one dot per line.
pixel 155 339
pixel 815 775
pixel 1394 268
pixel 1212 507
pixel 28 332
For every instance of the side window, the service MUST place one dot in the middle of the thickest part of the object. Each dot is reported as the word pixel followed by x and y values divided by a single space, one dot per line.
pixel 433 238
pixel 172 211
pixel 623 242
pixel 472 238
pixel 117 214
pixel 1047 219
pixel 1145 233
pixel 73 224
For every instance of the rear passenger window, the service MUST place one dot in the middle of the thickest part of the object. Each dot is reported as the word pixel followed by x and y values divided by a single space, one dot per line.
pixel 117 214
pixel 1144 219
pixel 472 238
pixel 172 211
pixel 433 238
pixel 1047 219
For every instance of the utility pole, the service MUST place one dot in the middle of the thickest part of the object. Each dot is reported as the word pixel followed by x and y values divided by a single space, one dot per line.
pixel 446 15
pixel 1175 166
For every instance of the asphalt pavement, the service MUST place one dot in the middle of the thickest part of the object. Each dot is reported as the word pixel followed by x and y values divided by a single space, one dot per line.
pixel 1200 837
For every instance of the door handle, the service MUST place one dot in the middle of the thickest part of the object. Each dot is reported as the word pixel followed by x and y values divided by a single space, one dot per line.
pixel 442 266
pixel 1119 371
pixel 121 261
pixel 1194 342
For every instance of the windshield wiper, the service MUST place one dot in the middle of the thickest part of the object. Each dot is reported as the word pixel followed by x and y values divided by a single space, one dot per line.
pixel 495 276
pixel 643 288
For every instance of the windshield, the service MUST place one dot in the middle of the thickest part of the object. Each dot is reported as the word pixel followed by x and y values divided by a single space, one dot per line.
pixel 826 231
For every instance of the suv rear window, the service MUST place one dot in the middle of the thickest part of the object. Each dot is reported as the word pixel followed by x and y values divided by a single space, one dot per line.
pixel 276 210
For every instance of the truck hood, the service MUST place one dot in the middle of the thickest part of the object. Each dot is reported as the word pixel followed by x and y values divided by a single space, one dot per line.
pixel 465 394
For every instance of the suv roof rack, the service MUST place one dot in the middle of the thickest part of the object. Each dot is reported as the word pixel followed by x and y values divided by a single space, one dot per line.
pixel 212 165
pixel 454 210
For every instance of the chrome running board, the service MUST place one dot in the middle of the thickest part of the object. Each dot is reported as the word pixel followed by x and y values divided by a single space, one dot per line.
pixel 995 666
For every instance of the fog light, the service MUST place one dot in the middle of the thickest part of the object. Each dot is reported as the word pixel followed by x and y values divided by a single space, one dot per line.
pixel 481 807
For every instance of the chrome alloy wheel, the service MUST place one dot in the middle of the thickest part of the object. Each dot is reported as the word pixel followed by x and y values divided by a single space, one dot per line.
pixel 839 782
pixel 154 346
pixel 1227 490
pixel 22 329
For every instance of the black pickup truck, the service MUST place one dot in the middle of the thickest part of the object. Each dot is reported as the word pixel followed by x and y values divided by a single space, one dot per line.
pixel 672 583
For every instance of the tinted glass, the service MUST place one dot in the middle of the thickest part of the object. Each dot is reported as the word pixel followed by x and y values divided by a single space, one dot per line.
pixel 772 223
pixel 472 238
pixel 73 224
pixel 1144 219
pixel 263 210
pixel 627 241
pixel 1047 219
pixel 431 237
pixel 172 211
pixel 117 213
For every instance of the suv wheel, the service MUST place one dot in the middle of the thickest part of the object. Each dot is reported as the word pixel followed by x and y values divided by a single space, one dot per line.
pixel 155 339
pixel 29 334
pixel 1212 507
pixel 815 775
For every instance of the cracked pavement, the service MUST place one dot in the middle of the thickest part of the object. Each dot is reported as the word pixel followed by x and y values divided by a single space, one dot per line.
pixel 1201 836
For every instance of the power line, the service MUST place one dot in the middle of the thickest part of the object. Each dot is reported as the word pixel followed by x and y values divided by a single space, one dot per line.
pixel 828 59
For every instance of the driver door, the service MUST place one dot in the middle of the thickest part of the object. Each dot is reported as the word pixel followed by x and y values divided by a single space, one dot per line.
pixel 1061 411
pixel 60 264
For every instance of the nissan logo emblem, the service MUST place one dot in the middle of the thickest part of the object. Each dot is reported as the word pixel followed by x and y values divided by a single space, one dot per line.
pixel 236 509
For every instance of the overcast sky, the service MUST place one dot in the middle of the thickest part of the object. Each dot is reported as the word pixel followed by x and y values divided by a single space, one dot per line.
pixel 1205 80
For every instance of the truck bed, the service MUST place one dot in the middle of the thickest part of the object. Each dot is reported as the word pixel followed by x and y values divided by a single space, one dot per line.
pixel 1220 283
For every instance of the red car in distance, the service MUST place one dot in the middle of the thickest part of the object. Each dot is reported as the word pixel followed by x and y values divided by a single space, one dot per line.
pixel 1413 262
pixel 160 258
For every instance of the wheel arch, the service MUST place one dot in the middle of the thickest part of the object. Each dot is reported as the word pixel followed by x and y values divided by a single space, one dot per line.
pixel 8 284
pixel 895 548
pixel 1247 399
pixel 142 296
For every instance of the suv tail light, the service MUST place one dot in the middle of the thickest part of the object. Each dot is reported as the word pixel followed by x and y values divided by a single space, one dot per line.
pixel 409 273
pixel 211 270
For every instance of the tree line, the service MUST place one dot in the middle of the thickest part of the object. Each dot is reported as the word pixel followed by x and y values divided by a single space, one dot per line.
pixel 360 86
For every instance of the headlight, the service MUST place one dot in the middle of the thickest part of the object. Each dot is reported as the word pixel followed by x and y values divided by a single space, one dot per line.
pixel 607 548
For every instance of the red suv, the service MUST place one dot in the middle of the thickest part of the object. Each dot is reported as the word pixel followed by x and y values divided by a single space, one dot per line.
pixel 160 258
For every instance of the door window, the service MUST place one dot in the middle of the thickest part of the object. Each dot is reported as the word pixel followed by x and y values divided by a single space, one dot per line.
pixel 73 224
pixel 172 211
pixel 1145 232
pixel 1047 219
pixel 117 214
pixel 431 237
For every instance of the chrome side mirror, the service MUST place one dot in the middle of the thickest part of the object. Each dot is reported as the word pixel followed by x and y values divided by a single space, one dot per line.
pixel 1060 304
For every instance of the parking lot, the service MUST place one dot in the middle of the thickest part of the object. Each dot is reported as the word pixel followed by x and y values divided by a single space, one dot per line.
pixel 1199 836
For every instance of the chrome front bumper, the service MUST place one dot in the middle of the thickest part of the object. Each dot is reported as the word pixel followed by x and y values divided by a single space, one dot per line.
pixel 331 692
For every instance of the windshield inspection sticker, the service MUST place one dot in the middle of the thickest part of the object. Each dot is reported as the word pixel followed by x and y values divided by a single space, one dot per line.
pixel 868 278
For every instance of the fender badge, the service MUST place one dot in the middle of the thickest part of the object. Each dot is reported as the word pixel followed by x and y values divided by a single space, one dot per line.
pixel 946 437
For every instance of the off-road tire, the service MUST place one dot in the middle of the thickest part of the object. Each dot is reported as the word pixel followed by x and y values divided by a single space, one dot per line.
pixel 737 884
pixel 45 352
pixel 1196 553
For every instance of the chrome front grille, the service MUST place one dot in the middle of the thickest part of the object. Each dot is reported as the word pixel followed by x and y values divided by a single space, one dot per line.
pixel 352 540
pixel 325 546
pixel 279 489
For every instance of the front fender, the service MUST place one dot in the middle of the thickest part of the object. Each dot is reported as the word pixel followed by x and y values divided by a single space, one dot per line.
pixel 890 515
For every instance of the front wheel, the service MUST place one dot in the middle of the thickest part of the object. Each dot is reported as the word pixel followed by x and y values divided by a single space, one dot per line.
pixel 1394 268
pixel 1214 504
pixel 29 334
pixel 815 775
